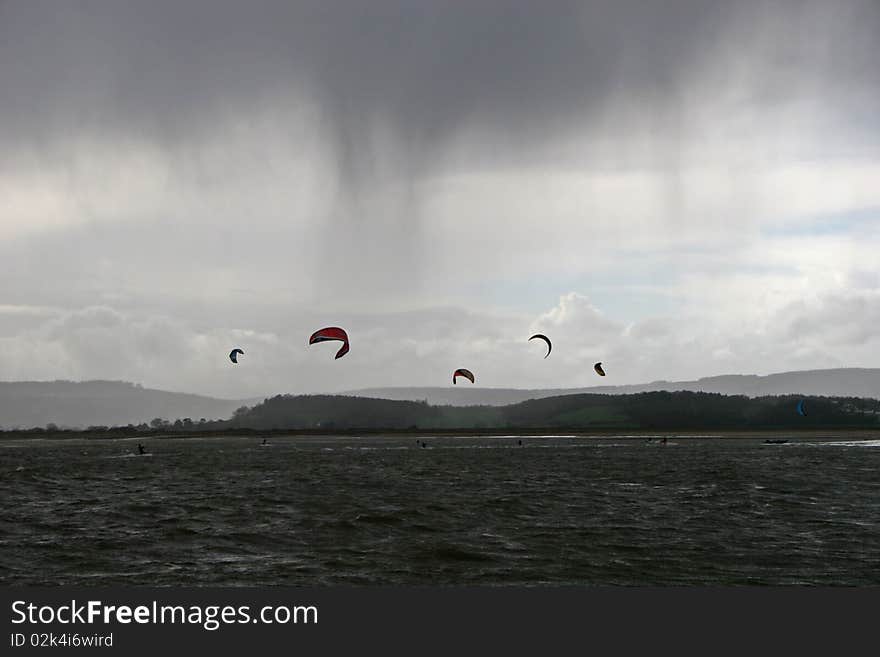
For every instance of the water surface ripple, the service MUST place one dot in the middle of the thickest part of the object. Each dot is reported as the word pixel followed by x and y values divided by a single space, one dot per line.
pixel 464 510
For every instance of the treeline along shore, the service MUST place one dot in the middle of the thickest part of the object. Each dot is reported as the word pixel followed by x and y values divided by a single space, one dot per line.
pixel 645 412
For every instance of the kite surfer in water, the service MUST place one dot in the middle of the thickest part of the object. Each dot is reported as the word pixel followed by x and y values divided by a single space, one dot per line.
pixel 141 449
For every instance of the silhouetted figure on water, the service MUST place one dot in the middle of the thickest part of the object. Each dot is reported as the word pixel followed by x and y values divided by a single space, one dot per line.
pixel 664 440
pixel 424 444
pixel 264 442
pixel 141 449
pixel 519 442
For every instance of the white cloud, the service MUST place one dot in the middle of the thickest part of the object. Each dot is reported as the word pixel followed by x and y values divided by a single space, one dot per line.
pixel 673 204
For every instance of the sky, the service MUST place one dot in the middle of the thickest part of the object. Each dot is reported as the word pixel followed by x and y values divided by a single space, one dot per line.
pixel 676 189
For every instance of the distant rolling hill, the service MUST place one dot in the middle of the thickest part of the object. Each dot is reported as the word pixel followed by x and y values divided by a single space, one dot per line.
pixel 78 404
pixel 26 404
pixel 649 410
pixel 844 382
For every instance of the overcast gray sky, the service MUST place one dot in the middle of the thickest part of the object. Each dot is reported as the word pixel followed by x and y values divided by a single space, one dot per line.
pixel 677 189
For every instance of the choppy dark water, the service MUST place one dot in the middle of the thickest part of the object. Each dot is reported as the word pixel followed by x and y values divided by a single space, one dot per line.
pixel 558 510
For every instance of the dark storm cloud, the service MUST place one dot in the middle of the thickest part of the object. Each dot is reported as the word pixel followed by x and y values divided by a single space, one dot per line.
pixel 172 70
pixel 187 176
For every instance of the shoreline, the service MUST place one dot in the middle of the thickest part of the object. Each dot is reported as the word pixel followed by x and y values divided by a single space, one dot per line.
pixel 627 434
